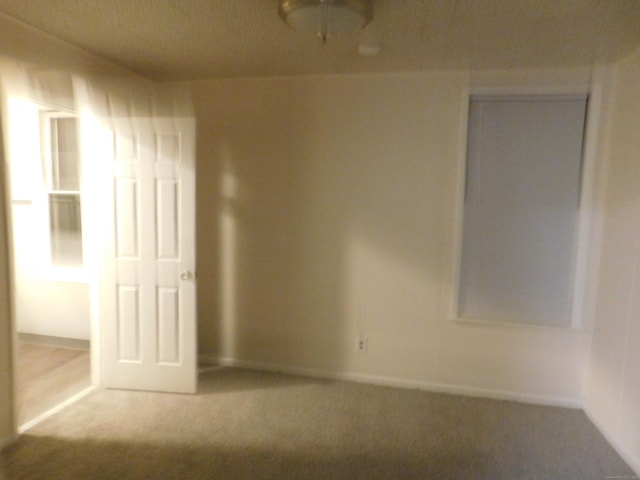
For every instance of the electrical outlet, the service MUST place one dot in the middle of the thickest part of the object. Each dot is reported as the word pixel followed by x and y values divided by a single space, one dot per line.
pixel 361 347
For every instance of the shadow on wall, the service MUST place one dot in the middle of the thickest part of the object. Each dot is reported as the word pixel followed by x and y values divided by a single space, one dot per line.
pixel 270 234
pixel 321 222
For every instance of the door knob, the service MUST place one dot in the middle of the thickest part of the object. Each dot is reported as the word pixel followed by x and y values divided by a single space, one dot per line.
pixel 186 275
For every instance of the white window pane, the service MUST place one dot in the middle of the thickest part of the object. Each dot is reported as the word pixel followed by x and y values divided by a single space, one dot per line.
pixel 521 209
pixel 66 229
pixel 64 144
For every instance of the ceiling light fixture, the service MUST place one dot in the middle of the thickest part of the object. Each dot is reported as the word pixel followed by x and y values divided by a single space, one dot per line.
pixel 326 17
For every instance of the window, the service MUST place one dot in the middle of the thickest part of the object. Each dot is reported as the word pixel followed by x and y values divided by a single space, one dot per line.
pixel 62 181
pixel 522 194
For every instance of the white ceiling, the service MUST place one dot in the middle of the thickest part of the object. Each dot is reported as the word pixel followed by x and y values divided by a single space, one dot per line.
pixel 197 39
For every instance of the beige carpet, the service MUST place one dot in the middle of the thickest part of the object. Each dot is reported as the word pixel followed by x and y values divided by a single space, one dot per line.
pixel 249 425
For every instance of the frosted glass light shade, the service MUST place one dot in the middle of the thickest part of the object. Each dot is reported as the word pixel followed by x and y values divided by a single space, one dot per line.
pixel 326 17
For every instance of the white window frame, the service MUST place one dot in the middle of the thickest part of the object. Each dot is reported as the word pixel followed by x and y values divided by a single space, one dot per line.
pixel 582 305
pixel 51 271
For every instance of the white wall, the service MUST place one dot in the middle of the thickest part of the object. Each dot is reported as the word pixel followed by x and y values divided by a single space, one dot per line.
pixel 612 388
pixel 52 308
pixel 327 208
pixel 48 300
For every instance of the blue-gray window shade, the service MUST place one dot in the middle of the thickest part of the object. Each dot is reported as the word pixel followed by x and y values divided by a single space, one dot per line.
pixel 521 209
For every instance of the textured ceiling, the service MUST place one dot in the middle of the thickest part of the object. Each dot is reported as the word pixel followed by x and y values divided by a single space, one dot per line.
pixel 197 39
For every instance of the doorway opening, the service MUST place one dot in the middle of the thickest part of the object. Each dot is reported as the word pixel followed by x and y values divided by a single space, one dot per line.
pixel 51 287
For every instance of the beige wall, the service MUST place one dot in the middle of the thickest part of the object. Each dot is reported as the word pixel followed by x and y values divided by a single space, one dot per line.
pixel 612 390
pixel 327 208
pixel 6 384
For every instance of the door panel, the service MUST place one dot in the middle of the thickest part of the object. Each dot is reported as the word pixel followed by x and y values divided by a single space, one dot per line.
pixel 129 324
pixel 147 311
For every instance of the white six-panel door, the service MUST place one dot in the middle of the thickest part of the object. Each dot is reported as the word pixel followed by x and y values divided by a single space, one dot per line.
pixel 147 283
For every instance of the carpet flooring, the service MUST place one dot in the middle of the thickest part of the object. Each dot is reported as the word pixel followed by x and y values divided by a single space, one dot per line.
pixel 47 376
pixel 255 425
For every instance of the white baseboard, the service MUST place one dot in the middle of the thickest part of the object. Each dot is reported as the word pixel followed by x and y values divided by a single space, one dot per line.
pixel 400 383
pixel 8 441
pixel 632 460
pixel 49 341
